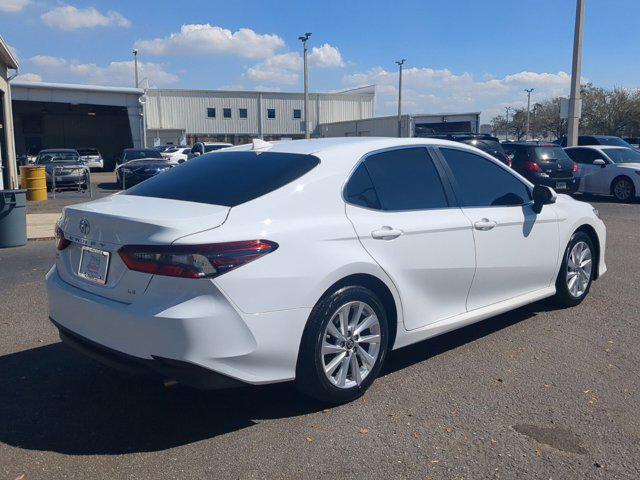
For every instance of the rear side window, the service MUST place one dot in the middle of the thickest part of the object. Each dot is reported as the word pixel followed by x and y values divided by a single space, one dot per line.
pixel 406 179
pixel 482 183
pixel 226 178
pixel 360 191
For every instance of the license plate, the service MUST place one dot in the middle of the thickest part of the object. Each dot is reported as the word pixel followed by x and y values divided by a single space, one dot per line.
pixel 94 264
pixel 561 185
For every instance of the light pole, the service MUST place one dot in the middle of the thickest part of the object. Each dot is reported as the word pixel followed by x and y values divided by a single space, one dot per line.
pixel 576 71
pixel 303 39
pixel 400 63
pixel 506 128
pixel 528 90
pixel 135 65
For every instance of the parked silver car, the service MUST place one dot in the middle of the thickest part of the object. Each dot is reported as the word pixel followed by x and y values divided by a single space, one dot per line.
pixel 91 157
pixel 67 167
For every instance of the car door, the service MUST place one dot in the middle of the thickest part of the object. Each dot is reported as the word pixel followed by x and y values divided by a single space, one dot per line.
pixel 399 207
pixel 591 176
pixel 516 248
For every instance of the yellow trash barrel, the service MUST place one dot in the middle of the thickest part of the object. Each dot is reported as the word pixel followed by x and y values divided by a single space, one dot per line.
pixel 33 179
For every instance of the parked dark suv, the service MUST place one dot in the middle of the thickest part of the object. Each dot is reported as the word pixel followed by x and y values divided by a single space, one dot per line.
pixel 544 164
pixel 484 142
pixel 596 140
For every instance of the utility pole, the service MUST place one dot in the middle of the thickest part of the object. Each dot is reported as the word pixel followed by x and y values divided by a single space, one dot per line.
pixel 400 63
pixel 528 90
pixel 576 72
pixel 303 39
pixel 135 65
pixel 506 128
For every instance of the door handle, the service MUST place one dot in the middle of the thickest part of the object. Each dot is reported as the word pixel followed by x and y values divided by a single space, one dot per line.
pixel 484 224
pixel 386 233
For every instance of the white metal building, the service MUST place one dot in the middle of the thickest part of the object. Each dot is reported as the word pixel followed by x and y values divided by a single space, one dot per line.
pixel 411 125
pixel 186 116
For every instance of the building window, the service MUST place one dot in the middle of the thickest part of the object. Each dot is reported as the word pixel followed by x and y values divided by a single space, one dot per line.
pixel 226 112
pixel 271 113
pixel 211 112
pixel 297 113
pixel 242 112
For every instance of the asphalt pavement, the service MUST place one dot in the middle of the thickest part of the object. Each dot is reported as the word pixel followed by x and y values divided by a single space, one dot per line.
pixel 535 393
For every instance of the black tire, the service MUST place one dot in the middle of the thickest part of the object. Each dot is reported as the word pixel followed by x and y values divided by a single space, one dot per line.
pixel 563 297
pixel 310 374
pixel 630 191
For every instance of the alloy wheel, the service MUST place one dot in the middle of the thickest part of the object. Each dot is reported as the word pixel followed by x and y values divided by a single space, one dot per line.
pixel 622 189
pixel 350 344
pixel 579 268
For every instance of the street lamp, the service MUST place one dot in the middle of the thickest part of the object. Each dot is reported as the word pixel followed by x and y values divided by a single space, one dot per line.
pixel 506 128
pixel 400 63
pixel 576 68
pixel 303 39
pixel 135 65
pixel 528 90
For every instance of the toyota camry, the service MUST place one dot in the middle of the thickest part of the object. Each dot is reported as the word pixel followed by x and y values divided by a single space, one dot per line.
pixel 311 260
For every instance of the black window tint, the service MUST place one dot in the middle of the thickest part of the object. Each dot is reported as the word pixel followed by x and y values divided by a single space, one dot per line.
pixel 360 191
pixel 242 113
pixel 226 112
pixel 583 155
pixel 406 179
pixel 226 178
pixel 482 183
pixel 211 112
pixel 271 113
pixel 297 113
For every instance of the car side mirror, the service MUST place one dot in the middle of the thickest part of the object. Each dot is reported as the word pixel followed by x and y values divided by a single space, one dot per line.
pixel 599 161
pixel 542 195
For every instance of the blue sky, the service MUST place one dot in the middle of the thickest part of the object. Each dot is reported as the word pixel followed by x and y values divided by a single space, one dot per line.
pixel 461 55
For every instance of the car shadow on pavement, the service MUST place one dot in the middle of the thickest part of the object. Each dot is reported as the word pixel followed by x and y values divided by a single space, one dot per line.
pixel 53 399
pixel 110 186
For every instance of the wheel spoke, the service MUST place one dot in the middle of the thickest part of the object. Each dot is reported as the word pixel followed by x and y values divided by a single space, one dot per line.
pixel 344 321
pixel 333 364
pixel 369 339
pixel 328 348
pixel 572 284
pixel 366 359
pixel 366 323
pixel 344 370
pixel 334 332
pixel 355 369
pixel 356 317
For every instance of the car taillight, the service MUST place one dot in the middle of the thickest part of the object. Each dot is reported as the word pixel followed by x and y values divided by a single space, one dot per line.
pixel 507 160
pixel 61 242
pixel 575 167
pixel 532 167
pixel 194 261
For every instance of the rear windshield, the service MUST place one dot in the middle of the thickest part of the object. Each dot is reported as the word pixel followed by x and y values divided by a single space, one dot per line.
pixel 554 154
pixel 226 178
pixel 88 151
pixel 486 145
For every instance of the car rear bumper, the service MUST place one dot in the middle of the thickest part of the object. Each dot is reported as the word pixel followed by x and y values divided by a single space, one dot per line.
pixel 178 322
pixel 571 185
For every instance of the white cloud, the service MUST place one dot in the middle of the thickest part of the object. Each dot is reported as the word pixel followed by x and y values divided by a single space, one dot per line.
pixel 29 77
pixel 261 73
pixel 68 17
pixel 46 61
pixel 193 39
pixel 326 56
pixel 115 73
pixel 13 5
pixel 427 90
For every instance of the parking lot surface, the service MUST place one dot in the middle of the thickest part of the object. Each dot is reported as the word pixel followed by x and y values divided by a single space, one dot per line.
pixel 534 393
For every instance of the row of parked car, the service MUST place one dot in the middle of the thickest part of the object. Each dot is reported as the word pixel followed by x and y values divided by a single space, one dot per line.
pixel 599 165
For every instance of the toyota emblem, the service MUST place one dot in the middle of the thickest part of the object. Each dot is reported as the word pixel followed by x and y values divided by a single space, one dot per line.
pixel 85 228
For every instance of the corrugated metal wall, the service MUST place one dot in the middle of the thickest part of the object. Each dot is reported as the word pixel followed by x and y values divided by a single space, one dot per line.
pixel 187 110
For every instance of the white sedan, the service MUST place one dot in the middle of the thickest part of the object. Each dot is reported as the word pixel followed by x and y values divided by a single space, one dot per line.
pixel 176 155
pixel 608 170
pixel 310 260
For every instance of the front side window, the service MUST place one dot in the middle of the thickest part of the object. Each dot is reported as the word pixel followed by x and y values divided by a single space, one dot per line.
pixel 271 113
pixel 406 179
pixel 211 112
pixel 482 183
pixel 226 112
pixel 297 113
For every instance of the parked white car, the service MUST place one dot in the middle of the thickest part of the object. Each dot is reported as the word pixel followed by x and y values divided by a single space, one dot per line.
pixel 200 148
pixel 176 155
pixel 608 170
pixel 91 157
pixel 311 259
